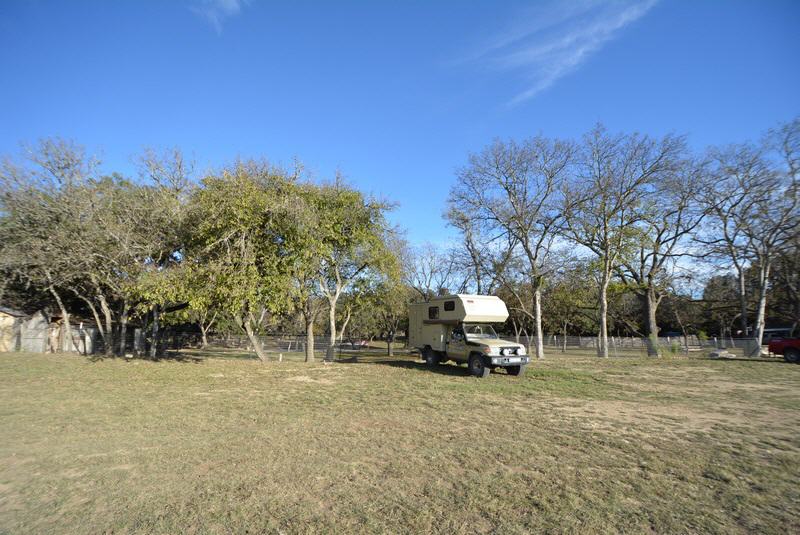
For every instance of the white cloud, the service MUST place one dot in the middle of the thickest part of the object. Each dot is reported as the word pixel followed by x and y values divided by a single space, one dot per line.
pixel 550 41
pixel 215 12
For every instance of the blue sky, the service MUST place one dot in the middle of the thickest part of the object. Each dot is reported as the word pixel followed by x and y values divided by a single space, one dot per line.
pixel 393 94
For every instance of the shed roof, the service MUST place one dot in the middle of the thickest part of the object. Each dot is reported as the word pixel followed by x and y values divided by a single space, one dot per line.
pixel 12 312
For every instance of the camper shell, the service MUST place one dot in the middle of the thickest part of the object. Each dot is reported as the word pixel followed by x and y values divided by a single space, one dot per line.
pixel 458 327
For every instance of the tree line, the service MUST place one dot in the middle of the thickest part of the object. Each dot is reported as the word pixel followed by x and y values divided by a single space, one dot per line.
pixel 244 247
pixel 560 227
pixel 606 233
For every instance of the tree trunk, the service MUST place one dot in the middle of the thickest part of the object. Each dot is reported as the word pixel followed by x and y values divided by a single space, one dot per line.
pixel 683 330
pixel 205 326
pixel 537 310
pixel 389 340
pixel 109 319
pixel 564 347
pixel 254 341
pixel 763 283
pixel 344 326
pixel 331 353
pixel 602 347
pixel 743 302
pixel 651 306
pixel 123 329
pixel 96 317
pixel 64 316
pixel 309 317
pixel 154 337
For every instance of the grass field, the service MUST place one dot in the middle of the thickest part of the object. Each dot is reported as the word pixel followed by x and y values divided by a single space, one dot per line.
pixel 578 445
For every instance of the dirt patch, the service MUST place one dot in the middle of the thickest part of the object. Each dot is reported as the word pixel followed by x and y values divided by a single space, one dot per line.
pixel 124 467
pixel 307 379
pixel 630 413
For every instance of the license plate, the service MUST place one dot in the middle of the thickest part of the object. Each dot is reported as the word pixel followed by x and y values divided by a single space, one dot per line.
pixel 514 360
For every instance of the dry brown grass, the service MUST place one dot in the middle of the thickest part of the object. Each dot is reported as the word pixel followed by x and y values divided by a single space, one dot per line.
pixel 384 445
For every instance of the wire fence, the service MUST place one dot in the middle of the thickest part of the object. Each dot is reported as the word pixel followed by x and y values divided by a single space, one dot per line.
pixel 275 346
pixel 619 346
pixel 39 337
pixel 636 346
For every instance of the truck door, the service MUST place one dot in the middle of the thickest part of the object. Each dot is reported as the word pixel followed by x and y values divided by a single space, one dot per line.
pixel 457 344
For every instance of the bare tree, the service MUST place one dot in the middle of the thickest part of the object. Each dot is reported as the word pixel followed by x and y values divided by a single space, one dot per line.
pixel 775 218
pixel 786 289
pixel 669 216
pixel 513 191
pixel 476 255
pixel 431 271
pixel 42 208
pixel 603 203
pixel 753 214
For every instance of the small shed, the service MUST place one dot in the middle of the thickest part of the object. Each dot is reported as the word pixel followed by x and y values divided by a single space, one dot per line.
pixel 11 321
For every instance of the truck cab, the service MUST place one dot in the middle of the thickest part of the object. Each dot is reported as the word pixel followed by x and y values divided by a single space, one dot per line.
pixel 788 347
pixel 459 328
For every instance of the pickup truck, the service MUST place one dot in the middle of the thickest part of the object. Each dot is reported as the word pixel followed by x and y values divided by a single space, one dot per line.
pixel 458 328
pixel 788 347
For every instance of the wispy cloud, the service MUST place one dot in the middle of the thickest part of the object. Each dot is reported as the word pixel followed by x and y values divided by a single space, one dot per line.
pixel 553 40
pixel 215 12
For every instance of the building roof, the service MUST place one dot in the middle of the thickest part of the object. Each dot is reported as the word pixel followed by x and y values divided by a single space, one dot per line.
pixel 11 312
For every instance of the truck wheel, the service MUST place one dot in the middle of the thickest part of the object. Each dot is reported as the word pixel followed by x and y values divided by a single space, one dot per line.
pixel 477 367
pixel 430 356
pixel 791 355
pixel 516 370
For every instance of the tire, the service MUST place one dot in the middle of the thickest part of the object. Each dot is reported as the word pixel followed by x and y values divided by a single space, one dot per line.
pixel 791 355
pixel 516 370
pixel 430 356
pixel 477 367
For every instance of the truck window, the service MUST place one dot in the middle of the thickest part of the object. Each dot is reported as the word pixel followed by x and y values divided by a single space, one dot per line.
pixel 474 330
pixel 433 313
pixel 449 305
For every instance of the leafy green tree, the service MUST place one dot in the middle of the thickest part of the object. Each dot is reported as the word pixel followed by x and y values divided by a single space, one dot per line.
pixel 570 302
pixel 244 245
pixel 351 241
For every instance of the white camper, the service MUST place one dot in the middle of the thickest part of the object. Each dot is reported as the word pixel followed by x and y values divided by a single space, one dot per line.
pixel 459 328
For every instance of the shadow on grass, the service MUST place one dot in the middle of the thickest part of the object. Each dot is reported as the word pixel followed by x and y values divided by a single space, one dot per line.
pixel 773 360
pixel 169 356
pixel 442 369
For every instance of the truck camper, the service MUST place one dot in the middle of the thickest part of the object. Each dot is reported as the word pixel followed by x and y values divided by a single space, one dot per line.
pixel 459 328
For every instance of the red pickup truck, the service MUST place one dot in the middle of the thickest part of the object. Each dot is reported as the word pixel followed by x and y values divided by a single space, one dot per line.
pixel 788 347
